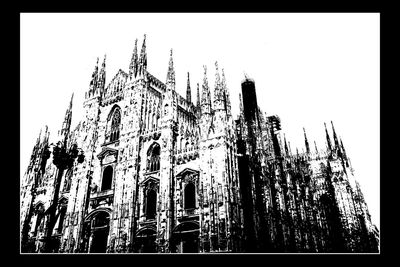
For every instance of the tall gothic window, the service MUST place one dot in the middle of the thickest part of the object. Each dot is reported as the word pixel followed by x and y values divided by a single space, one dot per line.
pixel 115 123
pixel 107 178
pixel 39 225
pixel 62 216
pixel 153 158
pixel 190 196
pixel 151 204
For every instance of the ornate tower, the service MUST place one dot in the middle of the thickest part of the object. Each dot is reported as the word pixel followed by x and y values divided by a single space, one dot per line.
pixel 188 90
pixel 166 211
pixel 220 215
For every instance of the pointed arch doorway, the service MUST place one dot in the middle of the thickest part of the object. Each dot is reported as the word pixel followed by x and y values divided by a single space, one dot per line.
pixel 146 240
pixel 97 227
pixel 186 237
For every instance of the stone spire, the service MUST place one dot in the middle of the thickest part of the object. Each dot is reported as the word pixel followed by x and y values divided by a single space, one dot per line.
pixel 35 152
pixel 143 58
pixel 93 81
pixel 342 147
pixel 39 137
pixel 286 146
pixel 344 155
pixel 133 66
pixel 65 129
pixel 70 102
pixel 306 142
pixel 46 134
pixel 316 149
pixel 226 94
pixel 102 76
pixel 171 73
pixel 218 95
pixel 198 96
pixel 205 95
pixel 328 139
pixel 335 139
pixel 188 91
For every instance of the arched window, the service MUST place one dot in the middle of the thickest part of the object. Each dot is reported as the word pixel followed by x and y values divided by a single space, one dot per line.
pixel 101 219
pixel 157 119
pixel 62 216
pixel 154 121
pixel 107 178
pixel 190 196
pixel 39 225
pixel 181 145
pixel 115 123
pixel 151 204
pixel 153 158
pixel 186 146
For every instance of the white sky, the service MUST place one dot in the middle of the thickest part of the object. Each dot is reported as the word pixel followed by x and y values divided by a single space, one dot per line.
pixel 308 69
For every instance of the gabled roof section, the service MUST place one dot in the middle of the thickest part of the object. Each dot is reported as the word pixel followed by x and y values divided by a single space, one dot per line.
pixel 150 178
pixel 116 84
pixel 106 151
pixel 154 81
pixel 185 171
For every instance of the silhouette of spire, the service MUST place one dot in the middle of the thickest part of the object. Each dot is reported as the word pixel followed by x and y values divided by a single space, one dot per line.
pixel 46 134
pixel 306 142
pixel 344 151
pixel 344 155
pixel 328 139
pixel 226 94
pixel 35 151
pixel 65 129
pixel 39 137
pixel 205 94
pixel 290 149
pixel 70 102
pixel 143 58
pixel 218 99
pixel 102 76
pixel 286 146
pixel 188 91
pixel 337 146
pixel 217 80
pixel 198 96
pixel 93 80
pixel 316 149
pixel 133 66
pixel 171 72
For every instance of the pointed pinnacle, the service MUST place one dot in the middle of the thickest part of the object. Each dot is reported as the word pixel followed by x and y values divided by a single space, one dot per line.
pixel 144 42
pixel 70 103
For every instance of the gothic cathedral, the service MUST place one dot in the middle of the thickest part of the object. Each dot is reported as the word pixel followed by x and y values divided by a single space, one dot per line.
pixel 149 171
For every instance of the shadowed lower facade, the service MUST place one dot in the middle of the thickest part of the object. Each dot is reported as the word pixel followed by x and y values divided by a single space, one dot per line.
pixel 149 171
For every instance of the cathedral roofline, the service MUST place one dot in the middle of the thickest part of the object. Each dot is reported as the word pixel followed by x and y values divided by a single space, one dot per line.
pixel 156 81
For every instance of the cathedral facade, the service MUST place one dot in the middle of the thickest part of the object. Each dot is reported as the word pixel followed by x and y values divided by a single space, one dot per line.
pixel 149 171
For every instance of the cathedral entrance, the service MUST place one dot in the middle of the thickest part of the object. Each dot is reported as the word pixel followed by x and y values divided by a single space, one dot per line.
pixel 146 241
pixel 186 237
pixel 99 241
pixel 96 232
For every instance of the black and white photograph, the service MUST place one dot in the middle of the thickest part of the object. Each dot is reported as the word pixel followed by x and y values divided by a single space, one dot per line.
pixel 199 133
